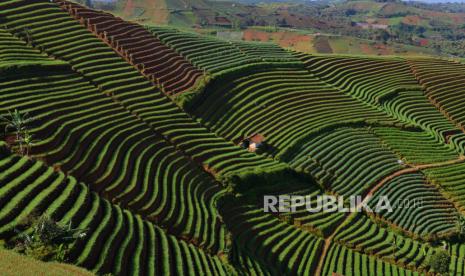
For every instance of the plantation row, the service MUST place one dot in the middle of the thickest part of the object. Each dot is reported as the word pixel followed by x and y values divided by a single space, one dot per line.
pixel 275 245
pixel 417 207
pixel 351 263
pixel 413 107
pixel 245 263
pixel 216 55
pixel 451 179
pixel 278 248
pixel 310 217
pixel 318 222
pixel 369 79
pixel 281 103
pixel 346 160
pixel 13 50
pixel 61 36
pixel 117 241
pixel 443 82
pixel 363 235
pixel 457 266
pixel 156 61
pixel 87 135
pixel 415 147
pixel 265 51
pixel 210 54
pixel 388 83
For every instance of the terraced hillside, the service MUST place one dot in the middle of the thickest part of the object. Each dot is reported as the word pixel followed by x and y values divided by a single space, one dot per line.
pixel 158 63
pixel 386 83
pixel 168 189
pixel 216 55
pixel 443 83
pixel 279 102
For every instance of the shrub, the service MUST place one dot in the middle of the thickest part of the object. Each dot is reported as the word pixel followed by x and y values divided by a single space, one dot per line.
pixel 440 262
pixel 46 239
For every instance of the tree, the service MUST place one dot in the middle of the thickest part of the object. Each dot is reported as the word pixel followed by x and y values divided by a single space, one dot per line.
pixel 18 122
pixel 440 262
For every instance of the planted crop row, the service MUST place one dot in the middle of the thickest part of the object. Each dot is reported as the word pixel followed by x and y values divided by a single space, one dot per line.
pixel 347 262
pixel 309 215
pixel 443 81
pixel 61 36
pixel 417 206
pixel 284 104
pixel 415 147
pixel 279 247
pixel 15 50
pixel 156 61
pixel 87 135
pixel 457 264
pixel 216 55
pixel 265 51
pixel 388 83
pixel 363 235
pixel 414 107
pixel 369 79
pixel 211 54
pixel 452 180
pixel 347 160
pixel 116 241
pixel 245 263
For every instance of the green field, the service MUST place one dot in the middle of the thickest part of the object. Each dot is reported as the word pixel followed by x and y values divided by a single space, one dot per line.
pixel 141 137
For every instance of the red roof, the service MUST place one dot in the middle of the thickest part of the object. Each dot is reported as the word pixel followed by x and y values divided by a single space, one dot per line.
pixel 256 138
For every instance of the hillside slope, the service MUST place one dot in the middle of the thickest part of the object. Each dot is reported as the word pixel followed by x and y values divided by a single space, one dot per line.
pixel 164 189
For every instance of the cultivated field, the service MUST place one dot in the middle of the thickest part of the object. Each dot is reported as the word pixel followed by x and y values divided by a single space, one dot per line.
pixel 137 135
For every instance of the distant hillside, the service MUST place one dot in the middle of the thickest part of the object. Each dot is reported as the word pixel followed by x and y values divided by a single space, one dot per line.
pixel 437 27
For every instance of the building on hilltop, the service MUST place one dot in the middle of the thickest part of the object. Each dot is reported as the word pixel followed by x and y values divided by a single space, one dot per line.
pixel 253 142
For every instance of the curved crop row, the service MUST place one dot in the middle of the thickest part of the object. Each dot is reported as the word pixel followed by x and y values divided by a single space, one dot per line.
pixel 452 180
pixel 116 241
pixel 343 261
pixel 414 107
pixel 132 41
pixel 366 78
pixel 15 50
pixel 211 54
pixel 61 36
pixel 443 82
pixel 363 235
pixel 417 206
pixel 388 83
pixel 346 160
pixel 87 135
pixel 284 104
pixel 279 247
pixel 415 147
pixel 245 263
pixel 265 51
pixel 216 55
